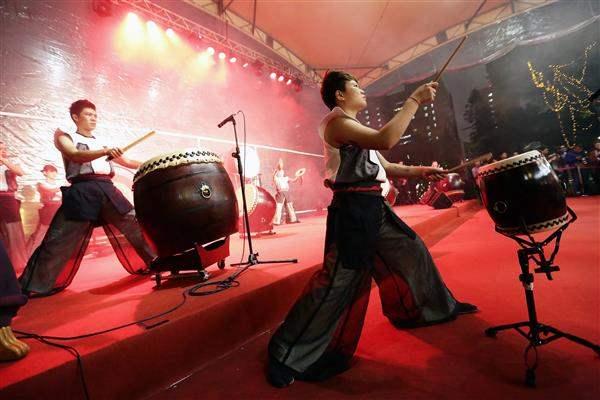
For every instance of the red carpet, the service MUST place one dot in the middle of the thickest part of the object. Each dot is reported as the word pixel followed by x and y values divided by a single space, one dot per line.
pixel 137 361
pixel 455 360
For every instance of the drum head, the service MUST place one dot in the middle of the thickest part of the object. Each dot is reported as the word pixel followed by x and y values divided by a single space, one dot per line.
pixel 251 198
pixel 509 163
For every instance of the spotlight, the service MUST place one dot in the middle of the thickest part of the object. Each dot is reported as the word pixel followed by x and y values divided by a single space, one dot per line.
pixel 289 81
pixel 280 79
pixel 132 16
pixel 222 55
pixel 170 33
pixel 273 75
pixel 233 60
pixel 151 24
pixel 245 65
pixel 210 51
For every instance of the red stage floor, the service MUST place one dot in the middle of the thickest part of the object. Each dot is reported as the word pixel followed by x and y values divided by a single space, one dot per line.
pixel 455 360
pixel 103 295
pixel 222 338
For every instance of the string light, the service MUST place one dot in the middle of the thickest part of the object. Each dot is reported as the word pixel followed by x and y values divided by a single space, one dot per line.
pixel 566 92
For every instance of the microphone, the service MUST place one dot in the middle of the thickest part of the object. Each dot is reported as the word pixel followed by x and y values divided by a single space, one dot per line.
pixel 226 120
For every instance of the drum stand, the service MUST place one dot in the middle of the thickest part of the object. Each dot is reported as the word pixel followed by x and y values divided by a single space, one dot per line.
pixel 538 333
pixel 252 256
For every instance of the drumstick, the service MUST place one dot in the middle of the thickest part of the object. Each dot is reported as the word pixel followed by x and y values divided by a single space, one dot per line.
pixel 439 74
pixel 463 165
pixel 134 143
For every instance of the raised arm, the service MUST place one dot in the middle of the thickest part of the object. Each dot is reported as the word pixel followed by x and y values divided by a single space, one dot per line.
pixel 341 131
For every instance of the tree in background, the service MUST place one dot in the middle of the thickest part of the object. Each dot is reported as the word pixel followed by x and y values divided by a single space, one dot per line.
pixel 478 114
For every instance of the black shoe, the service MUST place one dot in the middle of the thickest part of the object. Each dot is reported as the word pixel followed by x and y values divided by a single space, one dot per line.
pixel 279 375
pixel 466 308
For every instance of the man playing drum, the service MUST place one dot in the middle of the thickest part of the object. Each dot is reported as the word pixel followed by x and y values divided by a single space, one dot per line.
pixel 91 200
pixel 364 240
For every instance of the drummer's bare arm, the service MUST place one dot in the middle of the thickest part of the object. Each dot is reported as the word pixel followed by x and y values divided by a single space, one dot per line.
pixel 65 145
pixel 341 131
pixel 127 162
pixel 406 171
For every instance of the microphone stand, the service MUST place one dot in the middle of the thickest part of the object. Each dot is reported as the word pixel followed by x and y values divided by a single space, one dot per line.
pixel 253 256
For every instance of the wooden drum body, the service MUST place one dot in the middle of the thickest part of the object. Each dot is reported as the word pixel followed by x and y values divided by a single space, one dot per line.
pixel 523 190
pixel 453 186
pixel 261 208
pixel 184 199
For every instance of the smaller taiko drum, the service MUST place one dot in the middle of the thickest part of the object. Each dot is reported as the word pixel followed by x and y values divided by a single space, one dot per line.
pixel 261 208
pixel 522 194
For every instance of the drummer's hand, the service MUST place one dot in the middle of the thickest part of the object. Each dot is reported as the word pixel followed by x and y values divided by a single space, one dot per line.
pixel 426 92
pixel 114 152
pixel 433 174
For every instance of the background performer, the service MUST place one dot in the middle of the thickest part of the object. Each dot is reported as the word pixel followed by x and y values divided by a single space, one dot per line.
pixel 91 200
pixel 283 196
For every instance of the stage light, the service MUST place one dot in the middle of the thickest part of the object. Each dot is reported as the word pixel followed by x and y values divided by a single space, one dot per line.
pixel 132 31
pixel 245 65
pixel 280 79
pixel 222 55
pixel 273 75
pixel 151 25
pixel 289 81
pixel 170 33
pixel 233 60
pixel 210 51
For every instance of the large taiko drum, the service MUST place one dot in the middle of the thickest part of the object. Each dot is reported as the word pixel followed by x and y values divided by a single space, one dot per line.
pixel 453 186
pixel 389 192
pixel 183 199
pixel 261 208
pixel 522 194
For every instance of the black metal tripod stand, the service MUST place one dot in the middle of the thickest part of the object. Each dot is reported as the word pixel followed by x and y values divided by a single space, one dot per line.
pixel 538 334
pixel 208 288
pixel 252 256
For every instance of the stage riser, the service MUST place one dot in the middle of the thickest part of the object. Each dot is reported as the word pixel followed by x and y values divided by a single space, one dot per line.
pixel 143 363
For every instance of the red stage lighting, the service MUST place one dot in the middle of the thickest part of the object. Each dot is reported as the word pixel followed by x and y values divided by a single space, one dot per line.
pixel 273 75
pixel 222 56
pixel 210 51
pixel 280 79
pixel 232 60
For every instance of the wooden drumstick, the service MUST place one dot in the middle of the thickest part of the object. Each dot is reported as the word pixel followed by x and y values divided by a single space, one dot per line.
pixel 473 161
pixel 134 143
pixel 439 74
